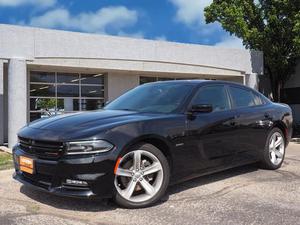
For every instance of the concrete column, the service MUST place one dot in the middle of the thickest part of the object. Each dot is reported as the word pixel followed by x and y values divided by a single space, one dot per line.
pixel 118 83
pixel 68 104
pixel 17 98
pixel 1 103
pixel 252 80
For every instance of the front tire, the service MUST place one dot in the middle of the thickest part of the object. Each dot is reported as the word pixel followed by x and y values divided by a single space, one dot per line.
pixel 141 177
pixel 274 151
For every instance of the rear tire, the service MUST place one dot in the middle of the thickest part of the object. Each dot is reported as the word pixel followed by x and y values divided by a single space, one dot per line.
pixel 141 177
pixel 274 152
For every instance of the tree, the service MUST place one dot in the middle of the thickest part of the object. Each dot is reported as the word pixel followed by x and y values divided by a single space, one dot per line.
pixel 271 26
pixel 45 104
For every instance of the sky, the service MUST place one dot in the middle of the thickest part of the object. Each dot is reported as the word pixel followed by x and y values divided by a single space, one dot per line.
pixel 166 20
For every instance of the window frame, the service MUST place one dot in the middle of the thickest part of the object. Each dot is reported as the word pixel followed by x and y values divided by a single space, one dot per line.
pixel 225 86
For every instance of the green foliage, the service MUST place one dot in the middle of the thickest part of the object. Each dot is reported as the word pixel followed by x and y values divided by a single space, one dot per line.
pixel 46 103
pixel 6 161
pixel 271 26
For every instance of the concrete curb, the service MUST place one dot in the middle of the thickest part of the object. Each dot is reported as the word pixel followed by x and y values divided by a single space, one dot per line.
pixel 5 149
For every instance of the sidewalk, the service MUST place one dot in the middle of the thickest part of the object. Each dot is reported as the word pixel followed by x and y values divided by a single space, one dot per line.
pixel 5 149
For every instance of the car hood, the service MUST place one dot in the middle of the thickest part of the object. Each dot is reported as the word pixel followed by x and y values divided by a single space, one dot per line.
pixel 83 124
pixel 86 120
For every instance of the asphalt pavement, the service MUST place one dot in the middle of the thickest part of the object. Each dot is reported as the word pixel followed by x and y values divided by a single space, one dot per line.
pixel 244 195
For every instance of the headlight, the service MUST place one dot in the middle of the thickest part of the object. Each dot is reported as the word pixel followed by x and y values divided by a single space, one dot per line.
pixel 88 147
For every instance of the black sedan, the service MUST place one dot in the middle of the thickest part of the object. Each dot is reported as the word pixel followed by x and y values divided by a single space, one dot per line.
pixel 153 135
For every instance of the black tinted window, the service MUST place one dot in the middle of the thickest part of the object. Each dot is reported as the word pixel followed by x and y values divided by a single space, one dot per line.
pixel 214 95
pixel 154 97
pixel 242 97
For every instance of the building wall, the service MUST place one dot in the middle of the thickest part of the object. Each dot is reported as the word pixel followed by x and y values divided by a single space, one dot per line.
pixel 119 83
pixel 5 104
pixel 86 49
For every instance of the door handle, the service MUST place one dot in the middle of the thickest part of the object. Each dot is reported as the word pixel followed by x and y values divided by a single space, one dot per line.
pixel 232 123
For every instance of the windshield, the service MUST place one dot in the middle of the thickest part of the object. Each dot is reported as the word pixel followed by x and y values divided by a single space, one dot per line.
pixel 155 98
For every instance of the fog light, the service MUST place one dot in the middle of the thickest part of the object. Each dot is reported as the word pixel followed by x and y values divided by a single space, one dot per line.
pixel 76 182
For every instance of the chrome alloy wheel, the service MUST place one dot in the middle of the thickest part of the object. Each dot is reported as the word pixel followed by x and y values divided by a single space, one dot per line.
pixel 139 176
pixel 276 148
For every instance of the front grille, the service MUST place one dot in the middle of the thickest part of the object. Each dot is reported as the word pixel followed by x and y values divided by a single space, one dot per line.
pixel 42 149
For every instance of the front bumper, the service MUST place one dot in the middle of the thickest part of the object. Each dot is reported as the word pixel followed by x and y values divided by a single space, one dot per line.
pixel 51 175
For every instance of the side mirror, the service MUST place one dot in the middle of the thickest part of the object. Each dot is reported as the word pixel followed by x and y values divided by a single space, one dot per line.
pixel 201 108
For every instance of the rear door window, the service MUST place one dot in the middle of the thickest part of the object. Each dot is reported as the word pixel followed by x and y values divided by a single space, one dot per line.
pixel 243 98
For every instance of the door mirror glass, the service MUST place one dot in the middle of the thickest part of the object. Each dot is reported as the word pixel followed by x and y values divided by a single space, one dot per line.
pixel 202 108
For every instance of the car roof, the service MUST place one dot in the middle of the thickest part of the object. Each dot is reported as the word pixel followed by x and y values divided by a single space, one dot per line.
pixel 200 82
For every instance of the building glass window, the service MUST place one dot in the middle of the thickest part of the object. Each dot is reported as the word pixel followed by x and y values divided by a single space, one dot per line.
pixel 165 79
pixel 92 79
pixel 68 78
pixel 42 77
pixel 145 79
pixel 67 90
pixel 53 93
pixel 92 91
pixel 42 90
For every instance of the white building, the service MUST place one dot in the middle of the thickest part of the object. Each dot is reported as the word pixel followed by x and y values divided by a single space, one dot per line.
pixel 52 72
